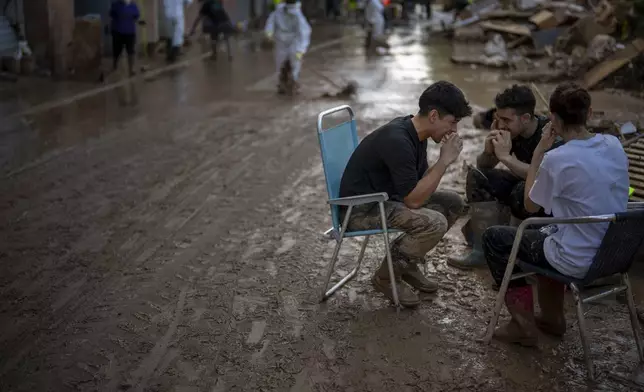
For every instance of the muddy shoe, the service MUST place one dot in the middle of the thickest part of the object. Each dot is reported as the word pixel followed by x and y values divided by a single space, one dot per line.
pixel 407 297
pixel 556 328
pixel 416 279
pixel 514 334
pixel 468 234
pixel 474 259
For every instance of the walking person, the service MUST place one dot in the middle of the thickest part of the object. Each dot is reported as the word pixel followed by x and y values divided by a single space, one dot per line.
pixel 175 26
pixel 216 23
pixel 292 34
pixel 375 16
pixel 125 15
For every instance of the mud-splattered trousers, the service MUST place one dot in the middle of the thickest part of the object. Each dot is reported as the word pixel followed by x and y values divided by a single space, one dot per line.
pixel 501 185
pixel 422 228
pixel 497 245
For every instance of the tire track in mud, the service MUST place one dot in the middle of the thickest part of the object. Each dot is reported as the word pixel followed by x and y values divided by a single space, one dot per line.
pixel 84 299
pixel 78 287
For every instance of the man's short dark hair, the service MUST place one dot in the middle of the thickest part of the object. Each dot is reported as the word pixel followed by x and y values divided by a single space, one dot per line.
pixel 518 97
pixel 446 98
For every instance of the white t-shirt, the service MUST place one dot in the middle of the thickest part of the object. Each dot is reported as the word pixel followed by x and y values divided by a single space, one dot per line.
pixel 580 178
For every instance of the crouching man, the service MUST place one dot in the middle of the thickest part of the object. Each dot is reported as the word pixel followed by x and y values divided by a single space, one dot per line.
pixel 393 159
pixel 516 132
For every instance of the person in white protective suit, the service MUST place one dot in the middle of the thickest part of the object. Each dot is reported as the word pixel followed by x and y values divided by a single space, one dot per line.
pixel 175 25
pixel 288 27
pixel 375 16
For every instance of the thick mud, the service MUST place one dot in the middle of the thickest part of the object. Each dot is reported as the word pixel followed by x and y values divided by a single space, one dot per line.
pixel 176 245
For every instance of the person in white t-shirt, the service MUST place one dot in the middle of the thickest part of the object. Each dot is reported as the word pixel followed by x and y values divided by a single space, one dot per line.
pixel 588 175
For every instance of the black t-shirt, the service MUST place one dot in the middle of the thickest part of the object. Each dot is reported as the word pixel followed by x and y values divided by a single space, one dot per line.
pixel 391 159
pixel 215 12
pixel 523 148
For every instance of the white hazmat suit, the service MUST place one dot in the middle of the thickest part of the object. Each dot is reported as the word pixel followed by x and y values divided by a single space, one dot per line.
pixel 175 20
pixel 287 25
pixel 374 14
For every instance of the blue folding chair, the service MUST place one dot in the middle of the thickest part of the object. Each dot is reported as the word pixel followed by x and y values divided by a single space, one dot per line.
pixel 336 146
pixel 615 256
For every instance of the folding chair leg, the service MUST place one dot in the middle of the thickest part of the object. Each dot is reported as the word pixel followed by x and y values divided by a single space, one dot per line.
pixel 327 293
pixel 390 265
pixel 633 313
pixel 583 331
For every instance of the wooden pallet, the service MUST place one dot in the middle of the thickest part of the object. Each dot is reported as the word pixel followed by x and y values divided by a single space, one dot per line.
pixel 635 152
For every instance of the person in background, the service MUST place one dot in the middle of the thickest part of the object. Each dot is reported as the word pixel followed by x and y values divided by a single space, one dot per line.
pixel 125 15
pixel 216 22
pixel 333 9
pixel 288 27
pixel 375 16
pixel 428 9
pixel 175 26
pixel 587 175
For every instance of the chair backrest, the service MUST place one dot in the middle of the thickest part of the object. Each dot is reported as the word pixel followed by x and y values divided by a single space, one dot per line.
pixel 619 246
pixel 336 146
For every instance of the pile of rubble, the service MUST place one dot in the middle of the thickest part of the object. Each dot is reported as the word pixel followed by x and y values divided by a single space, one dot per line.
pixel 552 41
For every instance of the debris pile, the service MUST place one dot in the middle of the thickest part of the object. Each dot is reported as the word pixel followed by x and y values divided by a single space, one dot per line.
pixel 550 41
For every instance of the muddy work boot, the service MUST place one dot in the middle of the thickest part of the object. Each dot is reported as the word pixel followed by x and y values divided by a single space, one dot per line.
pixel 550 295
pixel 382 283
pixel 285 78
pixel 380 42
pixel 413 276
pixel 521 329
pixel 484 214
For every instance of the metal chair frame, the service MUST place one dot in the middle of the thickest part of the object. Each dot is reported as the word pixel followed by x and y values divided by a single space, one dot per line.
pixel 576 285
pixel 338 231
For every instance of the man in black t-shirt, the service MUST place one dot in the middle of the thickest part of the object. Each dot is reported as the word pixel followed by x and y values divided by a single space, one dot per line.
pixel 393 159
pixel 515 134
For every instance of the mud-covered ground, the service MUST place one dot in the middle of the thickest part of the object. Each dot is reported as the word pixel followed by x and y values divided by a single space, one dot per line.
pixel 175 244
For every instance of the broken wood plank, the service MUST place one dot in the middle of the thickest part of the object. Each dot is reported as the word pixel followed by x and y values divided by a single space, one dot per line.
pixel 613 63
pixel 503 14
pixel 637 139
pixel 509 28
pixel 517 42
pixel 636 170
pixel 544 20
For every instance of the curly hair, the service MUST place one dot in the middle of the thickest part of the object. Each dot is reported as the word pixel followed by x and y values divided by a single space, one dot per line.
pixel 571 103
pixel 446 98
pixel 518 97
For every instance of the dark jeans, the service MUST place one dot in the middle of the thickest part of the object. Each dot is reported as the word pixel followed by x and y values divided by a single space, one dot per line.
pixel 120 42
pixel 501 185
pixel 217 30
pixel 332 8
pixel 497 245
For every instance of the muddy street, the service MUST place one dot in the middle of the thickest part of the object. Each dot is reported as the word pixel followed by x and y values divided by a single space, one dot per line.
pixel 176 243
